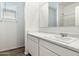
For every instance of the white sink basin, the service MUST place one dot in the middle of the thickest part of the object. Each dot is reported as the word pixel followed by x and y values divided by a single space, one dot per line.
pixel 66 39
pixel 60 38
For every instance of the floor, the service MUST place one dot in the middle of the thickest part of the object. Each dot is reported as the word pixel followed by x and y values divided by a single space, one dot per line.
pixel 13 52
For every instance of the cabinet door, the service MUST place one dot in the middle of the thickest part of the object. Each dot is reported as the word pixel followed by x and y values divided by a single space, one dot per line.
pixel 32 47
pixel 46 52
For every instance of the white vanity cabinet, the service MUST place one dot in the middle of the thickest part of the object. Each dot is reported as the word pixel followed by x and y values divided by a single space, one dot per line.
pixel 32 45
pixel 58 49
pixel 39 47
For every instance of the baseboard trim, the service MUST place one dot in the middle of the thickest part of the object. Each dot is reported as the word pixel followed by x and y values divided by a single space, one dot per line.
pixel 12 49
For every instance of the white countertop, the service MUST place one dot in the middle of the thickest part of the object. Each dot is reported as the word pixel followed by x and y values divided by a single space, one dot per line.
pixel 50 37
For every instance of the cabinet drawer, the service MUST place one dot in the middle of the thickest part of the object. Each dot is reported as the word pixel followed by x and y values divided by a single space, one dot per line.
pixel 32 38
pixel 57 49
pixel 46 52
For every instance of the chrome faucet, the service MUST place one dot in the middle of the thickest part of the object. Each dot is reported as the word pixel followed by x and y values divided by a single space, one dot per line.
pixel 63 34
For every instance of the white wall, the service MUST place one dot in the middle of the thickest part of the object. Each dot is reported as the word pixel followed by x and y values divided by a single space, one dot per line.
pixel 20 24
pixel 8 36
pixel 31 19
pixel 32 16
pixel 12 33
pixel 43 13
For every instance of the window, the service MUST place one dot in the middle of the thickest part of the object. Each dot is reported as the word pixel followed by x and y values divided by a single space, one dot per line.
pixel 9 14
pixel 8 11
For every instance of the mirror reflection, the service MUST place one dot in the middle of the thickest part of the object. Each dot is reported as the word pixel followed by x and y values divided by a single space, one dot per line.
pixel 59 14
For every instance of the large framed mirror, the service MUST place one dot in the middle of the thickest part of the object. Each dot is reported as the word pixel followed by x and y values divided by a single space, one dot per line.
pixel 59 14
